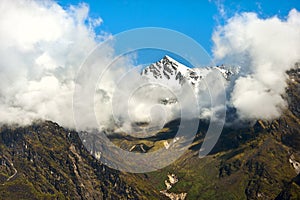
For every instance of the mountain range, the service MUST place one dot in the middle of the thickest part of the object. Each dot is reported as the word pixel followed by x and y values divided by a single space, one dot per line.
pixel 257 161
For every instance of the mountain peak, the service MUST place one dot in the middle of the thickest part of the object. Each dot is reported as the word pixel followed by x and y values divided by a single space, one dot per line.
pixel 168 69
pixel 167 57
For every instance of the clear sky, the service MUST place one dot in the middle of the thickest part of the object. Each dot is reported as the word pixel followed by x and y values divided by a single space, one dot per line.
pixel 195 18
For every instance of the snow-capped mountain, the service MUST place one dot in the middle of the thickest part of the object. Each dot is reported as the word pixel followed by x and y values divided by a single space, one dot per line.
pixel 174 72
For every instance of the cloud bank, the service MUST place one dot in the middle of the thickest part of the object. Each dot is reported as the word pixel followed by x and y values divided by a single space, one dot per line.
pixel 42 47
pixel 265 49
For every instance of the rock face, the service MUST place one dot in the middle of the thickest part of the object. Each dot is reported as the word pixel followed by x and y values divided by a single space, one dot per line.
pixel 46 161
pixel 293 90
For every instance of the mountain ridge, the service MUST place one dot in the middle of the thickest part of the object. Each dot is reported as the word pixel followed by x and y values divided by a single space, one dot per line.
pixel 169 69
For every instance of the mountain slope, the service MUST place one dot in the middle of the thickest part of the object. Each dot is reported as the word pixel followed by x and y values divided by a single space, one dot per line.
pixel 46 161
pixel 252 162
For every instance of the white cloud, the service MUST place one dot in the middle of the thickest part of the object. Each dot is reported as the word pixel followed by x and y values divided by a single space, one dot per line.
pixel 265 48
pixel 254 100
pixel 42 47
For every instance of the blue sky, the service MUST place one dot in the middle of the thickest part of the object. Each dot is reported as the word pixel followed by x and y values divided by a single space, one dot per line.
pixel 196 19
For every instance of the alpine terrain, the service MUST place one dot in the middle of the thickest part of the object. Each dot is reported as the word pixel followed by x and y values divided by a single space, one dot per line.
pixel 252 160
